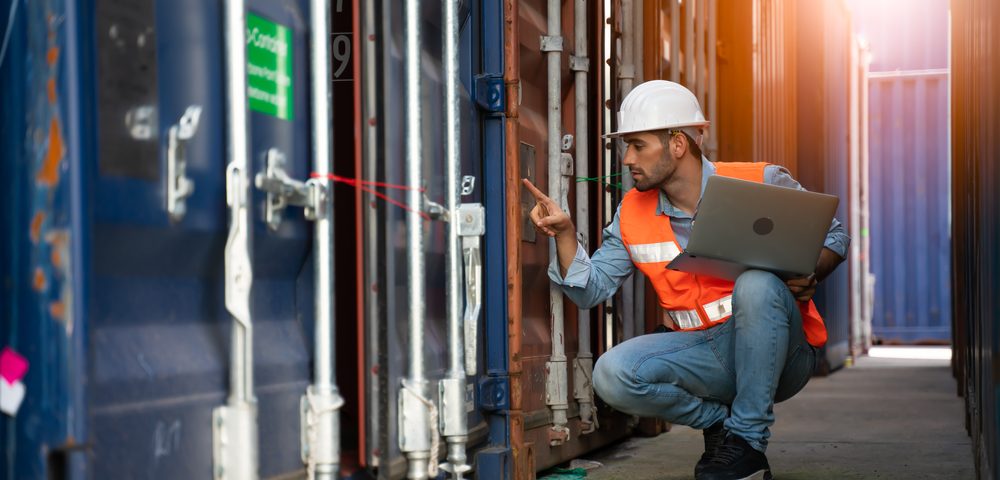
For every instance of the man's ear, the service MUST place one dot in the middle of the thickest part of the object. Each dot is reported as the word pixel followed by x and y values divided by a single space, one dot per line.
pixel 678 145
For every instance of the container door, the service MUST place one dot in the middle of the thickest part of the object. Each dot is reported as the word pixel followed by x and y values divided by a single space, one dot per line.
pixel 159 331
pixel 384 222
pixel 282 295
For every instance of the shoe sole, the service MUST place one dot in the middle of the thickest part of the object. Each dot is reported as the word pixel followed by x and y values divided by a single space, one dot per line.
pixel 759 475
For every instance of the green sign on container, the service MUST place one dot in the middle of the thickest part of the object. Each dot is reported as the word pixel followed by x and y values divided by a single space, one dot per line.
pixel 269 67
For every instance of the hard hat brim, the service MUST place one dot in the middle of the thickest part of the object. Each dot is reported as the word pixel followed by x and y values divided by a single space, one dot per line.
pixel 667 127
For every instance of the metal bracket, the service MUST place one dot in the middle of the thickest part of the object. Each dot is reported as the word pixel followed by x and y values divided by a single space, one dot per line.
pixel 472 220
pixel 567 142
pixel 283 191
pixel 413 426
pixel 468 185
pixel 436 210
pixel 566 165
pixel 583 392
pixel 494 394
pixel 234 436
pixel 179 185
pixel 451 401
pixel 489 92
pixel 579 64
pixel 472 226
pixel 551 43
pixel 320 425
pixel 141 121
pixel 626 72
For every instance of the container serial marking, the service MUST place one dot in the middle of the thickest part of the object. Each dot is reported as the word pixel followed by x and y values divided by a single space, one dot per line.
pixel 269 67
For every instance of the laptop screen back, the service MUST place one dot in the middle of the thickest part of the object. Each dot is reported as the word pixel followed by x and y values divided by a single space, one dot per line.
pixel 761 226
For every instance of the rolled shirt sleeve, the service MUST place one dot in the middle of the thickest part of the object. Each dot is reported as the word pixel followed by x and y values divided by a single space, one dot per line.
pixel 837 238
pixel 591 280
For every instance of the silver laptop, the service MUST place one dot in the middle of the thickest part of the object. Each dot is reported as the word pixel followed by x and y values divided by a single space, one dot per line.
pixel 743 225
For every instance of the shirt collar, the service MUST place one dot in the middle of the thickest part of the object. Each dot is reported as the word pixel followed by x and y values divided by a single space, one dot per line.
pixel 664 207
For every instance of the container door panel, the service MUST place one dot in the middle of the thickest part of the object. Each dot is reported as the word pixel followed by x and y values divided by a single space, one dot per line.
pixel 388 343
pixel 157 322
pixel 282 302
pixel 160 331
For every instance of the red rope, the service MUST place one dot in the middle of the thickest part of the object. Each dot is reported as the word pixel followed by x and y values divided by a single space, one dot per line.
pixel 363 185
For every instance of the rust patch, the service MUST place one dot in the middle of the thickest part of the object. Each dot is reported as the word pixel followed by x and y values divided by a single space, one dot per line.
pixel 57 309
pixel 56 257
pixel 40 281
pixel 36 227
pixel 52 56
pixel 50 87
pixel 49 173
pixel 60 247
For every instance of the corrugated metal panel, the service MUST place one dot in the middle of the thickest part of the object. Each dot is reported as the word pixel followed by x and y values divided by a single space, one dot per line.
pixel 833 297
pixel 823 108
pixel 975 127
pixel 774 52
pixel 756 60
pixel 904 34
pixel 909 224
pixel 909 167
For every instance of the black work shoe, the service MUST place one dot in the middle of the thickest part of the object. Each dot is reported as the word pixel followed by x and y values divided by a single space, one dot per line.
pixel 715 436
pixel 736 460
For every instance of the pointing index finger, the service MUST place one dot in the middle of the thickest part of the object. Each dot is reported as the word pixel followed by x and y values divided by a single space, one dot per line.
pixel 539 196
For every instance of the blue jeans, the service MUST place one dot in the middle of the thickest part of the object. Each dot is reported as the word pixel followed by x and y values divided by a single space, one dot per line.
pixel 735 371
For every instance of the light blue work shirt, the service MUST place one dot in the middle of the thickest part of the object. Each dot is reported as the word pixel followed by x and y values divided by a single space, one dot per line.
pixel 591 280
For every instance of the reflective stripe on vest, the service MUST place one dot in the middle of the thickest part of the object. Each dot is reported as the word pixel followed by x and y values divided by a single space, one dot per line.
pixel 716 310
pixel 654 252
pixel 719 309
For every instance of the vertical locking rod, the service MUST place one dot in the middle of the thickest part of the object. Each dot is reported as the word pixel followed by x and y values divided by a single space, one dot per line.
pixel 235 424
pixel 454 420
pixel 322 401
pixel 414 407
pixel 557 382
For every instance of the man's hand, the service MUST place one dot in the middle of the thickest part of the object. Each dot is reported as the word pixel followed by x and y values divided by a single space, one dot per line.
pixel 549 219
pixel 546 216
pixel 804 288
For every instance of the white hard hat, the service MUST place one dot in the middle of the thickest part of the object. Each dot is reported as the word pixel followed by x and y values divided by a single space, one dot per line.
pixel 658 105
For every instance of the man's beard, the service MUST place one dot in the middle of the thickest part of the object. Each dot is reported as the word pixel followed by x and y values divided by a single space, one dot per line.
pixel 651 180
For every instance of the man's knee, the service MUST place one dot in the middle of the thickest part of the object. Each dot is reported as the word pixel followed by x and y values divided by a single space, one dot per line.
pixel 757 286
pixel 611 381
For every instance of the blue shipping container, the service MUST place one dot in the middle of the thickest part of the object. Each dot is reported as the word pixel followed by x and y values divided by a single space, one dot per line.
pixel 909 167
pixel 118 307
pixel 910 220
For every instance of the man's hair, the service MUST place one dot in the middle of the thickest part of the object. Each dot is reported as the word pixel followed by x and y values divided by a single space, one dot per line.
pixel 666 135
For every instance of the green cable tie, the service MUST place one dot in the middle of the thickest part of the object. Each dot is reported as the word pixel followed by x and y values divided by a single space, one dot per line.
pixel 596 179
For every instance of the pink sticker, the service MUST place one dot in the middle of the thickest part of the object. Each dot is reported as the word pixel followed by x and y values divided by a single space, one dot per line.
pixel 12 365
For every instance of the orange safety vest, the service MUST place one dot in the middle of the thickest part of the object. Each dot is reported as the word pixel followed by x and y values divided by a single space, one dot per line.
pixel 694 302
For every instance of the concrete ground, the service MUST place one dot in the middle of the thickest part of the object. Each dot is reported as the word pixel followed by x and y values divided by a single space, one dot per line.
pixel 883 418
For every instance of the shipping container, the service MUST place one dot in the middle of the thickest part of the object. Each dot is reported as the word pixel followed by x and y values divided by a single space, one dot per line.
pixel 975 128
pixel 124 323
pixel 908 86
pixel 909 226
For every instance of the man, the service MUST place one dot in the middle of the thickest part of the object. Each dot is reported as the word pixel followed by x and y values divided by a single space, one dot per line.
pixel 737 347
